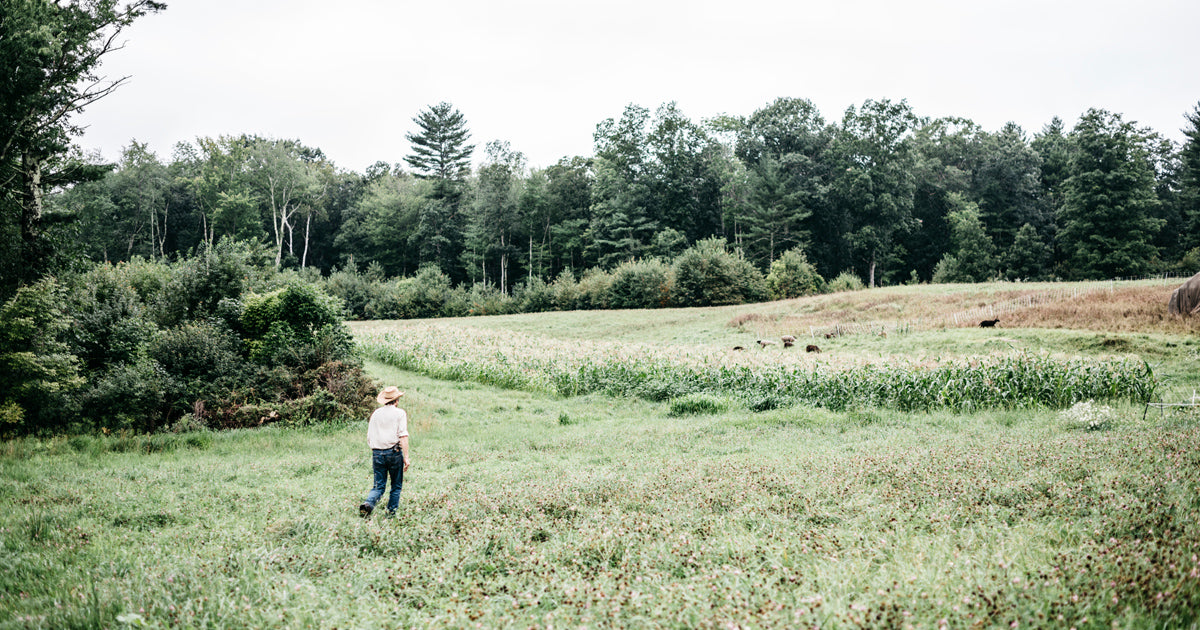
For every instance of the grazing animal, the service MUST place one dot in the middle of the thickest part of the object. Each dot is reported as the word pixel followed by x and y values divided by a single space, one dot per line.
pixel 989 323
pixel 763 343
pixel 788 341
pixel 812 348
pixel 738 348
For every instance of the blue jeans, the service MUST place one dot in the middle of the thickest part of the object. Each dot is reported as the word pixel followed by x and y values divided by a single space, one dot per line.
pixel 387 463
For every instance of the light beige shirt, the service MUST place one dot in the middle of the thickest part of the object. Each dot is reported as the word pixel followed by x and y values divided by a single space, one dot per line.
pixel 388 424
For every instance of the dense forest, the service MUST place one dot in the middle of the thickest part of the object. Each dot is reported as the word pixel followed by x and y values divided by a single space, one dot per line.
pixel 883 193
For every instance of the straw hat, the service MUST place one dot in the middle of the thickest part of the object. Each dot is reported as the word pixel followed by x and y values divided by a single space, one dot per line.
pixel 390 394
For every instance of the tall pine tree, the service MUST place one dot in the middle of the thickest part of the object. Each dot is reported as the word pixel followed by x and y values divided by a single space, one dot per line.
pixel 441 153
pixel 1106 226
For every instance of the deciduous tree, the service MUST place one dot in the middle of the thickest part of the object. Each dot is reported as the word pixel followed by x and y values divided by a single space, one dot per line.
pixel 50 54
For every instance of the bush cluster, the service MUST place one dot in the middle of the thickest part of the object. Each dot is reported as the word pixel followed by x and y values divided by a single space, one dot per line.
pixel 707 274
pixel 211 340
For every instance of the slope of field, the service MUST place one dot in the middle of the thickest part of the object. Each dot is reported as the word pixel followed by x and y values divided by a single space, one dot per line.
pixel 531 510
pixel 914 324
pixel 526 508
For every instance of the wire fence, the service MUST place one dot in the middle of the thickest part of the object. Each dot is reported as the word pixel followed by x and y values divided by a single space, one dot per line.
pixel 988 312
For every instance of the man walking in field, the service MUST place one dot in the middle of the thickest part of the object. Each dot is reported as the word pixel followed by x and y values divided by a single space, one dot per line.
pixel 387 433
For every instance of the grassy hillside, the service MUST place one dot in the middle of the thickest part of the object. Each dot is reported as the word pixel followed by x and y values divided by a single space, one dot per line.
pixel 909 323
pixel 528 509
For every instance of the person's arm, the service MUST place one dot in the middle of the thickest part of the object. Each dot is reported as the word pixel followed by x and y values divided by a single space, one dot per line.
pixel 404 449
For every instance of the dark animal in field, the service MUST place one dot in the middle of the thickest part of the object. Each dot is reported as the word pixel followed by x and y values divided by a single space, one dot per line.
pixel 811 348
pixel 738 348
pixel 1186 299
pixel 989 323
pixel 788 341
pixel 763 343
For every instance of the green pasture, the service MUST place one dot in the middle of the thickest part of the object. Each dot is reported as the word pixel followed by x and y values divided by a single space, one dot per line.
pixel 527 510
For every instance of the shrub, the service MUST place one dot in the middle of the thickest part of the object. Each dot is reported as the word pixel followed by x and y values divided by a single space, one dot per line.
pixel 641 284
pixel 566 291
pixel 793 276
pixel 948 270
pixel 846 281
pixel 293 315
pixel 427 292
pixel 39 373
pixel 356 291
pixel 708 275
pixel 203 360
pixel 387 301
pixel 222 272
pixel 128 397
pixel 533 296
pixel 696 404
pixel 484 299
pixel 109 320
pixel 593 290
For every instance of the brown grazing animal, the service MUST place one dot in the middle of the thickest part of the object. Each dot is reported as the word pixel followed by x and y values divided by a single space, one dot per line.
pixel 811 348
pixel 788 341
pixel 738 348
pixel 989 323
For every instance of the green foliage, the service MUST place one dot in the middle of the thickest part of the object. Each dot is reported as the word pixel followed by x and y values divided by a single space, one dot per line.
pixel 425 294
pixel 89 355
pixel 792 276
pixel 1189 157
pixel 111 325
pixel 40 373
pixel 974 250
pixel 278 321
pixel 1106 225
pixel 1028 257
pixel 949 270
pixel 49 55
pixel 481 299
pixel 129 397
pixel 440 149
pixel 641 284
pixel 846 281
pixel 357 291
pixel 593 291
pixel 203 360
pixel 534 296
pixel 697 404
pixel 709 275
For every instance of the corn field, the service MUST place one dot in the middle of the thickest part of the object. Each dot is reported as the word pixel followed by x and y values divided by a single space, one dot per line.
pixel 527 362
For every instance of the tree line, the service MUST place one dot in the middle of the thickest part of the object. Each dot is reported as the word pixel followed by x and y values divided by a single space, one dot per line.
pixel 883 193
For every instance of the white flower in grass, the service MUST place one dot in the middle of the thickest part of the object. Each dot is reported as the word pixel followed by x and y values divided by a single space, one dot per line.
pixel 1088 415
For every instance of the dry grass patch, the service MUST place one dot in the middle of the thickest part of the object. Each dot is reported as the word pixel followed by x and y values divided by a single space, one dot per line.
pixel 1126 307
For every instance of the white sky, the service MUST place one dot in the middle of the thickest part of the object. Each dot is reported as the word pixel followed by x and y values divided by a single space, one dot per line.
pixel 348 76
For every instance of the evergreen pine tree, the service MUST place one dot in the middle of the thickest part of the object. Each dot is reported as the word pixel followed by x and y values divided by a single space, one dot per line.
pixel 1105 224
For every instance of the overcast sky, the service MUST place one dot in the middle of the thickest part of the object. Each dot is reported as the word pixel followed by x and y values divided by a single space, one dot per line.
pixel 349 76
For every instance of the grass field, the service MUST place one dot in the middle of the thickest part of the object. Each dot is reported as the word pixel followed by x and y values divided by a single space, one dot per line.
pixel 525 508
